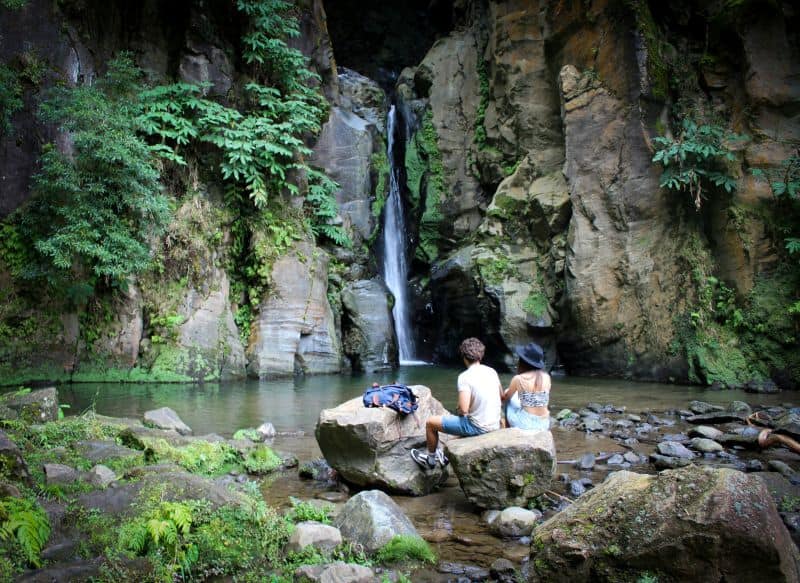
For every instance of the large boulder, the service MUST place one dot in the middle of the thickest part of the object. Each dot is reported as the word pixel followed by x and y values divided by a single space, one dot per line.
pixel 369 336
pixel 323 537
pixel 692 524
pixel 372 519
pixel 166 418
pixel 35 406
pixel 370 447
pixel 295 331
pixel 11 460
pixel 507 467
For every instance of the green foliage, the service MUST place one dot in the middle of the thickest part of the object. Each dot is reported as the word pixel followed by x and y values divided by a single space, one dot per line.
pixel 483 104
pixel 25 523
pixel 495 270
pixel 657 69
pixel 379 162
pixel 10 97
pixel 95 210
pixel 785 184
pixel 199 457
pixel 261 460
pixel 536 304
pixel 13 4
pixel 405 547
pixel 164 531
pixel 248 433
pixel 305 511
pixel 697 161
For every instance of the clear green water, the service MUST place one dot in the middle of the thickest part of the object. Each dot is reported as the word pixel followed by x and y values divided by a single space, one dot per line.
pixel 293 405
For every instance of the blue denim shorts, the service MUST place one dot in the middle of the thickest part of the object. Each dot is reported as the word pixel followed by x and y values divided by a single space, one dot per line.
pixel 519 417
pixel 460 425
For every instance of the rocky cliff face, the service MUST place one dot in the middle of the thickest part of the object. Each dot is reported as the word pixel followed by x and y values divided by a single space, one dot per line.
pixel 536 210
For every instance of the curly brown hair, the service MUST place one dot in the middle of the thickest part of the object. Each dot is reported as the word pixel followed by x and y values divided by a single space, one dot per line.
pixel 472 349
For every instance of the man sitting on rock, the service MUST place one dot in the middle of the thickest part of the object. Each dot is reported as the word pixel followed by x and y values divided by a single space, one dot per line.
pixel 479 392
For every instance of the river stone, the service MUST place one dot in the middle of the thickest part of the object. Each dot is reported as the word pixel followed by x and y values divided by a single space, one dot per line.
pixel 11 460
pixel 716 417
pixel 335 573
pixel 695 524
pixel 507 467
pixel 592 424
pixel 322 537
pixel 97 450
pixel 266 430
pixel 674 449
pixel 705 431
pixel 38 406
pixel 701 407
pixel 586 462
pixel 166 418
pixel 368 339
pixel 740 407
pixel 372 519
pixel 704 445
pixel 789 423
pixel 371 447
pixel 664 462
pixel 515 522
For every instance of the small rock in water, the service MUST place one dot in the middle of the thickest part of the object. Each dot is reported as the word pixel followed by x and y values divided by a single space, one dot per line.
pixel 740 407
pixel 631 442
pixel 266 430
pixel 515 522
pixel 701 407
pixel 685 413
pixel 615 460
pixel 576 488
pixel 634 418
pixel 624 423
pixel 662 462
pixel 588 414
pixel 644 428
pixel 593 425
pixel 587 461
pixel 595 407
pixel 673 449
pixel 705 431
pixel 503 571
pixel 704 445
pixel 754 466
pixel 632 458
pixel 678 437
pixel 761 387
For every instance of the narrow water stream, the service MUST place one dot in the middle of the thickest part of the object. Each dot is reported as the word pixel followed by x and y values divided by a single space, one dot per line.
pixel 445 517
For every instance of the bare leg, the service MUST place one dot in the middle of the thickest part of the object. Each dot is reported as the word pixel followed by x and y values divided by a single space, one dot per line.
pixel 432 428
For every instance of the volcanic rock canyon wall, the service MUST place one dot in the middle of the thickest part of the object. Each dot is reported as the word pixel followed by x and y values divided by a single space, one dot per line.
pixel 535 209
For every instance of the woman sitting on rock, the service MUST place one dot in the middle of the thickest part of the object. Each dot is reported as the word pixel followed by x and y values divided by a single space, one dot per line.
pixel 532 385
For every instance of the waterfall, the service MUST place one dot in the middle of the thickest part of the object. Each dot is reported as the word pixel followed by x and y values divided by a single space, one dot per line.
pixel 395 268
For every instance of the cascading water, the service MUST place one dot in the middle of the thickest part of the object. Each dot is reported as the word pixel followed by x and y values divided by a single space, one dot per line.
pixel 395 268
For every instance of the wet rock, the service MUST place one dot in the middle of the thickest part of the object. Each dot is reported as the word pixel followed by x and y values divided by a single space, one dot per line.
pixel 615 460
pixel 335 573
pixel 701 407
pixel 676 437
pixel 586 462
pixel 705 431
pixel 11 460
pixel 633 458
pixel 631 442
pixel 674 449
pixel 515 522
pixel 589 414
pixel 634 418
pixel 469 572
pixel 748 441
pixel 782 467
pixel 624 423
pixel 740 407
pixel 595 407
pixel 318 470
pixel 166 418
pixel 576 488
pixel 704 445
pixel 38 406
pixel 372 519
pixel 489 516
pixel 507 467
pixel 716 417
pixel 765 387
pixel 503 571
pixel 371 447
pixel 369 340
pixel 592 425
pixel 789 423
pixel 754 466
pixel 644 428
pixel 266 430
pixel 323 537
pixel 662 462
pixel 636 519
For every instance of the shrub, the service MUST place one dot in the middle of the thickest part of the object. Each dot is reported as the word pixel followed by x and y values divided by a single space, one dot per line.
pixel 25 522
pixel 261 460
pixel 305 511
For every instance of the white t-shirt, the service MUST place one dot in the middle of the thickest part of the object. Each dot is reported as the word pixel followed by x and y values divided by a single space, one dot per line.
pixel 484 386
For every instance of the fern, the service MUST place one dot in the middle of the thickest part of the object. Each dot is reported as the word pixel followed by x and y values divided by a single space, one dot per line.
pixel 25 522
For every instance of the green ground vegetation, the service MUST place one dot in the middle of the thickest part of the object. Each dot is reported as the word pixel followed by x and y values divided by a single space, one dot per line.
pixel 182 538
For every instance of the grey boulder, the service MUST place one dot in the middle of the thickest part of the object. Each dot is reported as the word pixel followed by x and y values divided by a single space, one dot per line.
pixel 322 537
pixel 372 519
pixel 166 418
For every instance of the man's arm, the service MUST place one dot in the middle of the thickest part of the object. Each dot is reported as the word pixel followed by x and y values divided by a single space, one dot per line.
pixel 464 401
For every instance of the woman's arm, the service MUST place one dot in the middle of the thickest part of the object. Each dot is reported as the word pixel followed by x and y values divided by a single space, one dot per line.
pixel 512 388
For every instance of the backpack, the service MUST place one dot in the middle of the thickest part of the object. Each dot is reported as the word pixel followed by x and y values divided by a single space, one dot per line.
pixel 397 397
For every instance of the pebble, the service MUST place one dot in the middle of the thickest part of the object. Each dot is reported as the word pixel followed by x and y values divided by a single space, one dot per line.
pixel 679 437
pixel 701 407
pixel 662 462
pixel 634 418
pixel 754 466
pixel 705 431
pixel 625 423
pixel 593 425
pixel 704 445
pixel 587 461
pixel 673 449
pixel 595 407
pixel 632 458
pixel 576 488
pixel 740 407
